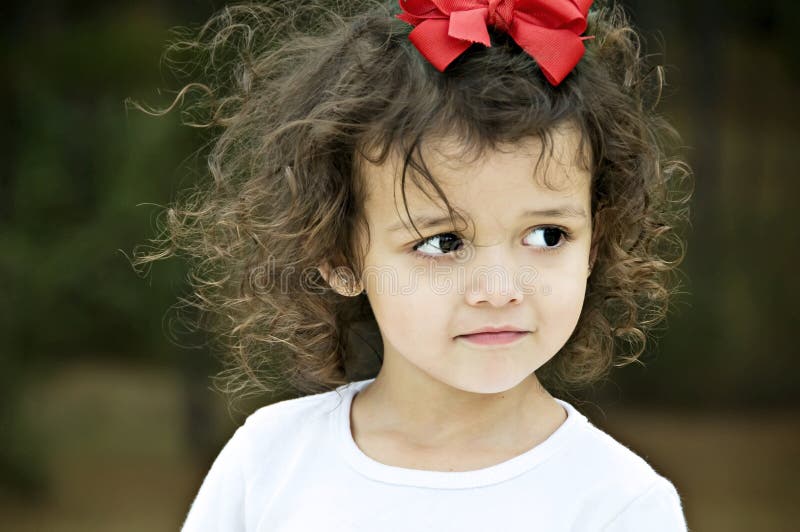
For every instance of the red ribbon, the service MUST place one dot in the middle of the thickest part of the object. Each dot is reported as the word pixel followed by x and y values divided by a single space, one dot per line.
pixel 548 30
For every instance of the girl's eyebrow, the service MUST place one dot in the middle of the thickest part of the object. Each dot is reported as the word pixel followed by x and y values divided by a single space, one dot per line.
pixel 563 211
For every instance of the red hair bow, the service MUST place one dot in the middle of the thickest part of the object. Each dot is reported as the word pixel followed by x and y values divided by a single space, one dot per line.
pixel 548 30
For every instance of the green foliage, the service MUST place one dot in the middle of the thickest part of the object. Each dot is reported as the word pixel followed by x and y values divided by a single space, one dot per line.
pixel 82 166
pixel 78 166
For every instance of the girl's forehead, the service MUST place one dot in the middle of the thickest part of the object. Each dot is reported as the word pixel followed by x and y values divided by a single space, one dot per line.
pixel 535 168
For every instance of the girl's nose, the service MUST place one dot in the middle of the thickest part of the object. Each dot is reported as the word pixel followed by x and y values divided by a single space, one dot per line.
pixel 494 278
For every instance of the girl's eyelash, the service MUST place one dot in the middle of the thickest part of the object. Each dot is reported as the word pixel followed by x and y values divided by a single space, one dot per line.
pixel 565 235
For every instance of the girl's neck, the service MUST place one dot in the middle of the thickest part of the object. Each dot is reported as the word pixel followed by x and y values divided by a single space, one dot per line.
pixel 431 415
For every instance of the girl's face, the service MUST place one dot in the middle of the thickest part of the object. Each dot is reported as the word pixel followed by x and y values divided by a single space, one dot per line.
pixel 522 262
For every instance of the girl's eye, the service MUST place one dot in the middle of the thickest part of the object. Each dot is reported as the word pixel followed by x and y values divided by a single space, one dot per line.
pixel 549 236
pixel 546 239
pixel 443 242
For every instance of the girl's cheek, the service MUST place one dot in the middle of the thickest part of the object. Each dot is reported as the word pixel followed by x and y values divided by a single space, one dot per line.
pixel 400 309
pixel 565 301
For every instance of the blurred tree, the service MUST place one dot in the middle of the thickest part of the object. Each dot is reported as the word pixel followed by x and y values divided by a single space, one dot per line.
pixel 76 165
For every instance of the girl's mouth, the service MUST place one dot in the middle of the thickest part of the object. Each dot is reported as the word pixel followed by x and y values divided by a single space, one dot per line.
pixel 494 338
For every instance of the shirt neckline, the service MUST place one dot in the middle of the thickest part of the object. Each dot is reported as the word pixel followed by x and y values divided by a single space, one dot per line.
pixel 493 474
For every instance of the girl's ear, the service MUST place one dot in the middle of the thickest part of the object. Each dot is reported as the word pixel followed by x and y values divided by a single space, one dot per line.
pixel 341 279
pixel 325 272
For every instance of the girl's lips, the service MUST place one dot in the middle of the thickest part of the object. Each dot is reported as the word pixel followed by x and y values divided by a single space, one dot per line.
pixel 496 338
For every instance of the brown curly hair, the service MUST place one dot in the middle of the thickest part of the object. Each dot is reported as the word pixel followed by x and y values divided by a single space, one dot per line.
pixel 294 97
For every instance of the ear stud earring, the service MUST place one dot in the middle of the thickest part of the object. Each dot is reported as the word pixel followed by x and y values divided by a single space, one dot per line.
pixel 351 291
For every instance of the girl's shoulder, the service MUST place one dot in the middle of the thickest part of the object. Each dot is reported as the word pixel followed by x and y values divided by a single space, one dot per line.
pixel 603 465
pixel 291 417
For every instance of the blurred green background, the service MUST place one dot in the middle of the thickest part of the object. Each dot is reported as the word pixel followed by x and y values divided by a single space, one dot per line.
pixel 107 419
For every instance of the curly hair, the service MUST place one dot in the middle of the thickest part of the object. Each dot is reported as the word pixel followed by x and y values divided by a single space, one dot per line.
pixel 295 97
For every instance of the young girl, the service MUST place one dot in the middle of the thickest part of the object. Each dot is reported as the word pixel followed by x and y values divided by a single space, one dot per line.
pixel 431 219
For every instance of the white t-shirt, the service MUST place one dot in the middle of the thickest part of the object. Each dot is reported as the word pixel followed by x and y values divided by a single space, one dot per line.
pixel 293 466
